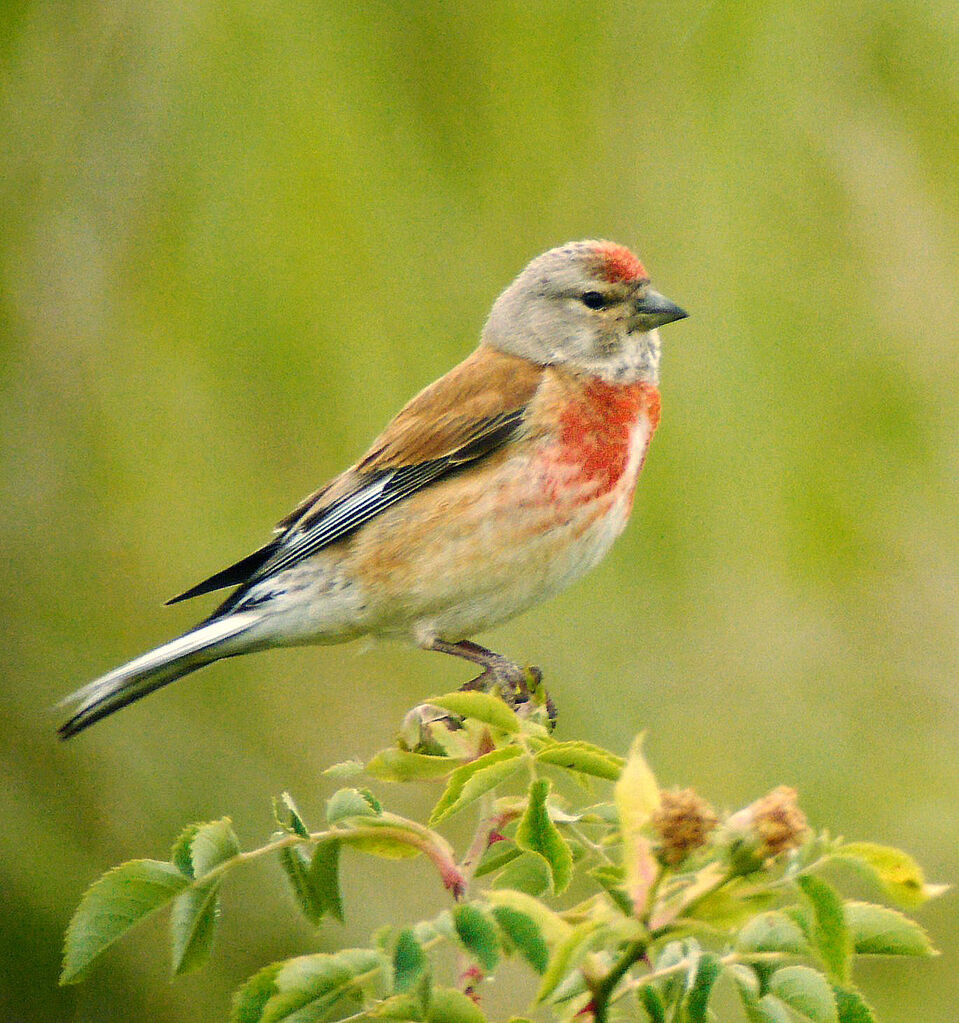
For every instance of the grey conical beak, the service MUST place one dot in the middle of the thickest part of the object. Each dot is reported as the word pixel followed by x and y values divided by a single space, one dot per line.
pixel 653 310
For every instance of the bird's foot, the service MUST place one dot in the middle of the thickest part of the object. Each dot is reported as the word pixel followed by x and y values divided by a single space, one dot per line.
pixel 517 686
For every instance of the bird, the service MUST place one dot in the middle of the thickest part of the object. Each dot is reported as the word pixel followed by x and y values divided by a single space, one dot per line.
pixel 493 489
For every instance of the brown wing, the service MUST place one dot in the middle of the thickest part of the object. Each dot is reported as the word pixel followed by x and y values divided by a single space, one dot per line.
pixel 465 415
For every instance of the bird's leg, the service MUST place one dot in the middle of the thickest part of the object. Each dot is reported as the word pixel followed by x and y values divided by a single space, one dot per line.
pixel 498 671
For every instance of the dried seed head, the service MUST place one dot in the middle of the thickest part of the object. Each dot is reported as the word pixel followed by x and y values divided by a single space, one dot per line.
pixel 764 829
pixel 778 821
pixel 683 821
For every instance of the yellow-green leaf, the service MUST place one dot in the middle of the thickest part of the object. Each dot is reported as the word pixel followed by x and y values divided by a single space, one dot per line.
pixel 481 707
pixel 637 796
pixel 896 872
pixel 470 781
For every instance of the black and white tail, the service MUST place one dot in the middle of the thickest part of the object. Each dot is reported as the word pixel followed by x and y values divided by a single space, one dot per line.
pixel 204 644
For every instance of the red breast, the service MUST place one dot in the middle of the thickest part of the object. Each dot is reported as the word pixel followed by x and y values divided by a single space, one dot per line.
pixel 598 431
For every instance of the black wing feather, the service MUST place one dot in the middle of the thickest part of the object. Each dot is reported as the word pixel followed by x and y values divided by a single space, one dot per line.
pixel 379 490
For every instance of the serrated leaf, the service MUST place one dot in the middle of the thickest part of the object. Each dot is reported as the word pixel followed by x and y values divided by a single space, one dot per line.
pixel 769 1009
pixel 584 758
pixel 346 803
pixel 470 781
pixel 877 930
pixel 250 1000
pixel 528 872
pixel 212 844
pixel 112 905
pixel 314 879
pixel 830 935
pixel 851 1006
pixel 538 834
pixel 405 1008
pixel 637 796
pixel 524 934
pixel 700 985
pixel 451 1006
pixel 497 856
pixel 896 872
pixel 687 952
pixel 772 932
pixel 552 926
pixel 290 820
pixel 180 853
pixel 308 986
pixel 653 1004
pixel 401 765
pixel 478 935
pixel 806 992
pixel 613 880
pixel 192 926
pixel 409 961
pixel 324 878
pixel 345 769
pixel 480 707
pixel 566 955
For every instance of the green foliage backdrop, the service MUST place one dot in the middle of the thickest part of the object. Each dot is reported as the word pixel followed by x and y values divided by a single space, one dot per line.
pixel 235 238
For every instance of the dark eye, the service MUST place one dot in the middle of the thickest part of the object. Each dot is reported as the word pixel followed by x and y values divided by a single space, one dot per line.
pixel 593 300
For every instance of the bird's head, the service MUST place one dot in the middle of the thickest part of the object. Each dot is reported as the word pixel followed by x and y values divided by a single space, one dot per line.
pixel 586 305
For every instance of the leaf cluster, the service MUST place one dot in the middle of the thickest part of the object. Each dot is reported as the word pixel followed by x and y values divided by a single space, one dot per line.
pixel 624 901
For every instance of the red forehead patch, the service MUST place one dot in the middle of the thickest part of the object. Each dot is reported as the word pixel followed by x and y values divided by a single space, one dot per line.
pixel 621 264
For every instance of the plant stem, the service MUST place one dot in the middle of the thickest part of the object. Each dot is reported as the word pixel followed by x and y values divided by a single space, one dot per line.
pixel 603 991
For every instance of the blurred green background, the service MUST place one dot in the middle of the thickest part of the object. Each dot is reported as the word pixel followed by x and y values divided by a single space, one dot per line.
pixel 236 237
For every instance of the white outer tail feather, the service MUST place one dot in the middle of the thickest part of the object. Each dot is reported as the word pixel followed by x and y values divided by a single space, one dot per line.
pixel 165 664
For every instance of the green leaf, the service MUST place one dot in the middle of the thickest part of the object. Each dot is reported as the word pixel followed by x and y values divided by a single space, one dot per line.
pixel 477 934
pixel 566 956
pixel 314 878
pixel 481 707
pixel 806 992
pixel 696 1000
pixel 199 849
pixel 211 844
pixel 528 872
pixel 552 926
pixel 116 902
pixel 584 758
pixel 877 930
pixel 250 1000
pixel 769 1009
pixel 346 803
pixel 401 765
pixel 524 934
pixel 345 769
pixel 829 933
pixel 324 878
pixel 637 796
pixel 653 1004
pixel 406 1008
pixel 192 925
pixel 470 781
pixel 772 932
pixel 613 879
pixel 308 986
pixel 290 820
pixel 451 1006
pixel 537 833
pixel 851 1007
pixel 409 961
pixel 496 857
pixel 896 872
